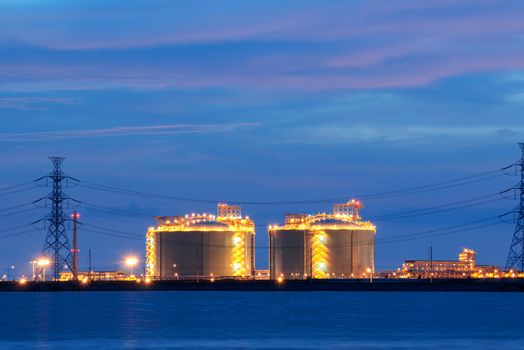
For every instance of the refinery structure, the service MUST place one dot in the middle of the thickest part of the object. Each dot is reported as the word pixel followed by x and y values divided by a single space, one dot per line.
pixel 319 246
pixel 324 245
pixel 339 245
pixel 201 245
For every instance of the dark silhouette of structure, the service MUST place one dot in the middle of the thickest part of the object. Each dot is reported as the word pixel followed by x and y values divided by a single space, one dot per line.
pixel 516 250
pixel 56 246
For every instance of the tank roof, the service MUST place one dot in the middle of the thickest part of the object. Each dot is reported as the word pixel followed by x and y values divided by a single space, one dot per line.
pixel 206 223
pixel 328 221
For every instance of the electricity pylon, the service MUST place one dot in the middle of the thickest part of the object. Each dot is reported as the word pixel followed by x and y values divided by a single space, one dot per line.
pixel 56 246
pixel 516 250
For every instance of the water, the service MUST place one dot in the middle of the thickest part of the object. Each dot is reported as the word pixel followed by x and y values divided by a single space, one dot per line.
pixel 236 320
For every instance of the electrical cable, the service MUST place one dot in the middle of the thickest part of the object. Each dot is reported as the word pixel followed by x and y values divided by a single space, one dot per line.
pixel 393 216
pixel 15 186
pixel 15 207
pixel 16 191
pixel 15 234
pixel 464 227
pixel 17 212
pixel 378 195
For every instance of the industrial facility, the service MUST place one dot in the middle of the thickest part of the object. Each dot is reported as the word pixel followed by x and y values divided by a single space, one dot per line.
pixel 201 245
pixel 336 245
pixel 465 267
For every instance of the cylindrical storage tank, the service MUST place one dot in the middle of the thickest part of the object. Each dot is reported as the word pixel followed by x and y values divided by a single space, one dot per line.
pixel 363 251
pixel 200 247
pixel 337 245
pixel 287 253
pixel 331 249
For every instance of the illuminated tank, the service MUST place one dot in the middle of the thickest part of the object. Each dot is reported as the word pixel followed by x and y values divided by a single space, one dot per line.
pixel 201 245
pixel 337 245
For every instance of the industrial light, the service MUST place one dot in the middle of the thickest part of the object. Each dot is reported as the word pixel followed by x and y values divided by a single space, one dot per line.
pixel 43 262
pixel 131 261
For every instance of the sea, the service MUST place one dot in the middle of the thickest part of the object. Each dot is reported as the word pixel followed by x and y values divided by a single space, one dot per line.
pixel 261 320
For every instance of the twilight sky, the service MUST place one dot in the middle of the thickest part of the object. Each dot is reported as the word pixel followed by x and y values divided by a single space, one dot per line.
pixel 262 101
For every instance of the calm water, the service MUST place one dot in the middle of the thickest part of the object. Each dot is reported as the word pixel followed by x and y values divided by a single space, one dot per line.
pixel 234 320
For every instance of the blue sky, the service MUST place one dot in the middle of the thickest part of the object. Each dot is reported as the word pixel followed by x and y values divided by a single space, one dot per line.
pixel 263 101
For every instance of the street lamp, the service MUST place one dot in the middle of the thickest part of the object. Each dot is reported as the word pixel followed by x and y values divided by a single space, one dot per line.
pixel 370 274
pixel 43 263
pixel 33 262
pixel 131 262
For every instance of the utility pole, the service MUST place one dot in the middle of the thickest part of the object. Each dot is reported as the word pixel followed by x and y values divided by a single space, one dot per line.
pixel 516 250
pixel 75 250
pixel 90 265
pixel 56 245
pixel 431 262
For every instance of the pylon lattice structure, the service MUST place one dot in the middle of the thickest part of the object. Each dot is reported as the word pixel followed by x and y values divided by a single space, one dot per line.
pixel 516 250
pixel 56 246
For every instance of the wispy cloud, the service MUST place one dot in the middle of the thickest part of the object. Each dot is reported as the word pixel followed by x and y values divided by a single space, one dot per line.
pixel 517 98
pixel 123 131
pixel 34 103
pixel 337 134
pixel 300 46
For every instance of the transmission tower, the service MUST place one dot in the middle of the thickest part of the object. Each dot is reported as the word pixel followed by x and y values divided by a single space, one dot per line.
pixel 516 250
pixel 56 246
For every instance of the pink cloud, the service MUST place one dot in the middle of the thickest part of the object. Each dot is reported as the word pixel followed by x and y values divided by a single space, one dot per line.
pixel 123 131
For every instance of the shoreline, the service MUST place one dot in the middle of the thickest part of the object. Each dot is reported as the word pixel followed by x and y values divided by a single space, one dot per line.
pixel 352 285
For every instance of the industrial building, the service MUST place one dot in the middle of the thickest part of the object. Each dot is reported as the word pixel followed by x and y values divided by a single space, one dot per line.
pixel 336 245
pixel 201 245
pixel 465 266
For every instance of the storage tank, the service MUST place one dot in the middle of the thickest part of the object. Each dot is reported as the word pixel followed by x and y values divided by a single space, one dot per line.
pixel 336 245
pixel 288 253
pixel 363 250
pixel 201 245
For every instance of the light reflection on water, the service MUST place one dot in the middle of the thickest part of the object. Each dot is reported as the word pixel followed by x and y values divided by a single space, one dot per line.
pixel 239 320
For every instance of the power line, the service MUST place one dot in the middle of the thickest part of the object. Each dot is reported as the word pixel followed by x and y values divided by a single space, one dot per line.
pixel 464 227
pixel 393 216
pixel 16 234
pixel 13 228
pixel 447 228
pixel 431 211
pixel 104 209
pixel 112 234
pixel 16 186
pixel 16 191
pixel 15 207
pixel 378 195
pixel 112 230
pixel 17 212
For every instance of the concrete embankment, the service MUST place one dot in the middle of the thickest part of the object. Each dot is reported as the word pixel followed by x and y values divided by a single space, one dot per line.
pixel 385 285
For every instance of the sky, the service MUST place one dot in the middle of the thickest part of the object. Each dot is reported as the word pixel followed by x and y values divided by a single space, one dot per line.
pixel 262 101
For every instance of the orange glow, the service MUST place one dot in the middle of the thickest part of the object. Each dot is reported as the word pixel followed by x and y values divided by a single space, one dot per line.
pixel 131 261
pixel 43 262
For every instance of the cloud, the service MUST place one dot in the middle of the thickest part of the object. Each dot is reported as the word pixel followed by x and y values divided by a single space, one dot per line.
pixel 339 134
pixel 153 130
pixel 300 46
pixel 517 98
pixel 34 103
